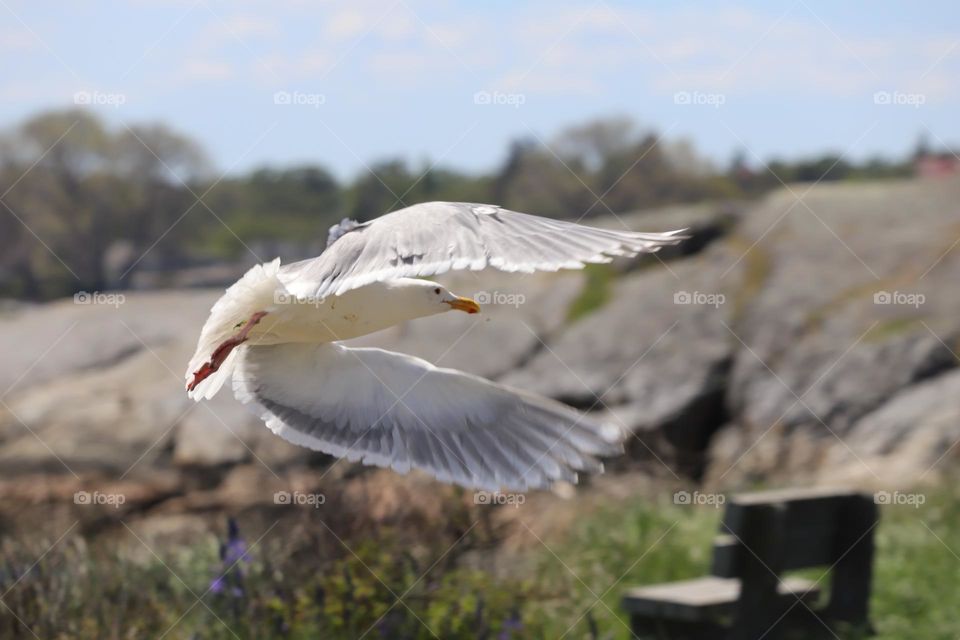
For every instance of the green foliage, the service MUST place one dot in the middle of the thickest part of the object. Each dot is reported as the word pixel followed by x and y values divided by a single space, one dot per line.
pixel 72 187
pixel 613 547
pixel 306 585
pixel 273 205
pixel 757 263
pixel 380 586
pixel 886 329
pixel 597 288
pixel 639 542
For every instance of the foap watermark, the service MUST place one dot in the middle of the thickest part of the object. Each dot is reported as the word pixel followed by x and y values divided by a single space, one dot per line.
pixel 99 298
pixel 700 99
pixel 497 498
pixel 899 298
pixel 699 298
pixel 698 498
pixel 299 99
pixel 299 498
pixel 99 98
pixel 282 297
pixel 900 499
pixel 500 99
pixel 96 498
pixel 500 297
pixel 900 99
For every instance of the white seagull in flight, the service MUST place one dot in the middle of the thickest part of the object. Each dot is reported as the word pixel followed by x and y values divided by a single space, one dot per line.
pixel 276 332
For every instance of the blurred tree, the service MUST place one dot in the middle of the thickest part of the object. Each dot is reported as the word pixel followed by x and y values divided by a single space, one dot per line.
pixel 535 180
pixel 77 188
pixel 87 203
pixel 603 166
pixel 159 174
pixel 383 188
pixel 592 145
pixel 272 204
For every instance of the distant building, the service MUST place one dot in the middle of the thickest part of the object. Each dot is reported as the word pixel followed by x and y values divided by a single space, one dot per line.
pixel 936 165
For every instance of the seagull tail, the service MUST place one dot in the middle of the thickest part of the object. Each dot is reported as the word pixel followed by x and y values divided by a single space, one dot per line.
pixel 255 291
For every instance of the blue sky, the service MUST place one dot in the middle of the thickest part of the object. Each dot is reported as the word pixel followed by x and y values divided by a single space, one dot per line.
pixel 454 82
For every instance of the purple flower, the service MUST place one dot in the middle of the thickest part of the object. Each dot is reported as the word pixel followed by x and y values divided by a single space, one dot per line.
pixel 233 553
pixel 234 550
pixel 511 625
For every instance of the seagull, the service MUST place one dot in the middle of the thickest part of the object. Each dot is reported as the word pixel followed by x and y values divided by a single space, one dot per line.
pixel 277 332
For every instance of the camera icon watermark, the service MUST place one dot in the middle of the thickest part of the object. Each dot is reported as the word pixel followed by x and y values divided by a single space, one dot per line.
pixel 500 298
pixel 898 498
pixel 96 498
pixel 299 498
pixel 714 300
pixel 99 298
pixel 914 300
pixel 299 99
pixel 497 498
pixel 99 98
pixel 700 98
pixel 900 98
pixel 697 498
pixel 499 98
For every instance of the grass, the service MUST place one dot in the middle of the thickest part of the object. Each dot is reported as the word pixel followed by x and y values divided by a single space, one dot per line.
pixel 915 573
pixel 597 289
pixel 757 265
pixel 886 329
pixel 306 583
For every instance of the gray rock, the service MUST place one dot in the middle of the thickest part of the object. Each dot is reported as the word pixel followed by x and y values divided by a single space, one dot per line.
pixel 98 387
pixel 856 304
pixel 518 311
pixel 654 357
pixel 916 433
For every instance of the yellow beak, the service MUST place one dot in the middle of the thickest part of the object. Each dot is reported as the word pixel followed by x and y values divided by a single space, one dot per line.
pixel 464 304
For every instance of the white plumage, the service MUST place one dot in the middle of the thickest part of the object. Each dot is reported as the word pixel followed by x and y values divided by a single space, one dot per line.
pixel 275 331
pixel 436 237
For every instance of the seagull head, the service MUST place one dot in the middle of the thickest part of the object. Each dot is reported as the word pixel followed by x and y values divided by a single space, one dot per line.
pixel 433 298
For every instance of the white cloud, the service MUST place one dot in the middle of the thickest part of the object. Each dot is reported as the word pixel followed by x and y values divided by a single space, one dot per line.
pixel 236 30
pixel 281 68
pixel 346 24
pixel 17 40
pixel 734 50
pixel 204 70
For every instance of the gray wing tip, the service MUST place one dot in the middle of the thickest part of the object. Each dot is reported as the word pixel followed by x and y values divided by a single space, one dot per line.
pixel 340 229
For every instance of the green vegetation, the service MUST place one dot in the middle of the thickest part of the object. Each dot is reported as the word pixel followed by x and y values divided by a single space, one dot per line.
pixel 313 586
pixel 306 585
pixel 886 329
pixel 596 291
pixel 756 264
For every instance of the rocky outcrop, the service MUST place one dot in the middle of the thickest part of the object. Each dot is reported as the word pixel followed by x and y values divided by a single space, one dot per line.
pixel 812 340
pixel 654 359
pixel 857 306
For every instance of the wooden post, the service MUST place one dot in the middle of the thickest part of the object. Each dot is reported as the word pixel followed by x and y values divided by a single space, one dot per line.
pixel 853 572
pixel 761 534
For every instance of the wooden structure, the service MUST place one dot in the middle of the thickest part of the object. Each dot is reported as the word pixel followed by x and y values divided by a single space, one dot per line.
pixel 762 536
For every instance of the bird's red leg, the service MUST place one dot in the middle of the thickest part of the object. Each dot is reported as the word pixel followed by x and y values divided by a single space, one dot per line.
pixel 221 352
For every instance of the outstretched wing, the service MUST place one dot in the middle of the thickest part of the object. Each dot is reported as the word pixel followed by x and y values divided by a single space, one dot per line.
pixel 398 411
pixel 436 237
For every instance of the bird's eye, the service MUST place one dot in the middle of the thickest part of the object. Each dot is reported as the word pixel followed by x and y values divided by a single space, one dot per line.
pixel 437 291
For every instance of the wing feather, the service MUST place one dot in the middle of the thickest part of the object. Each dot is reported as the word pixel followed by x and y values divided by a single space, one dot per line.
pixel 393 410
pixel 435 237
